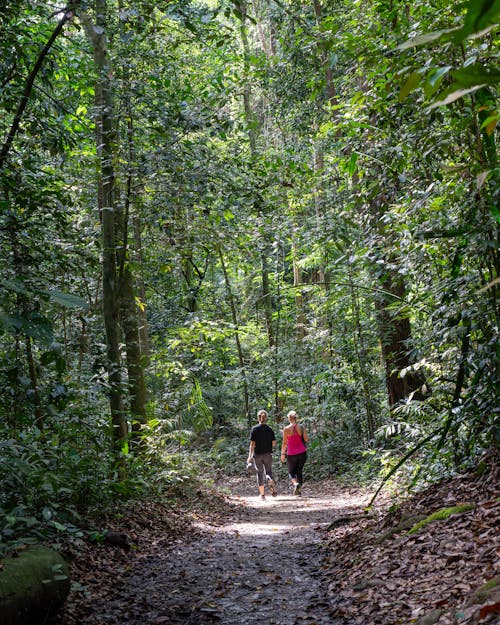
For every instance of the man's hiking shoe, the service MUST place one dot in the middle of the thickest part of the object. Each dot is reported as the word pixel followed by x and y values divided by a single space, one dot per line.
pixel 296 489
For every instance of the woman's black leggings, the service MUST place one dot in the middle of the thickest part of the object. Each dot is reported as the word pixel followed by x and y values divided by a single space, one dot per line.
pixel 295 465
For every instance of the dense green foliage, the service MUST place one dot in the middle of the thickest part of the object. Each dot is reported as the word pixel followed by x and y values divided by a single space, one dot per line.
pixel 305 215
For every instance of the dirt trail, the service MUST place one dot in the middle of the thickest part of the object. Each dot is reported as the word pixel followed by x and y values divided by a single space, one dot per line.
pixel 264 565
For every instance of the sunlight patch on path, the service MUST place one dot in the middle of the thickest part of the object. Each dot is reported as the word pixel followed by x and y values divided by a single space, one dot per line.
pixel 283 515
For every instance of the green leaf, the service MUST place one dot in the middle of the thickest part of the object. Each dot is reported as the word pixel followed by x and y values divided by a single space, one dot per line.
pixel 15 285
pixel 48 357
pixel 434 80
pixel 495 211
pixel 191 27
pixel 481 15
pixel 34 325
pixel 60 365
pixel 490 123
pixel 481 179
pixel 475 74
pixel 421 40
pixel 47 514
pixel 351 165
pixel 438 75
pixel 39 328
pixel 411 83
pixel 455 95
pixel 11 323
pixel 67 300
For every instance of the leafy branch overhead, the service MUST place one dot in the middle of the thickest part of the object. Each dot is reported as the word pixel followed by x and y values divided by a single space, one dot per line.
pixel 443 84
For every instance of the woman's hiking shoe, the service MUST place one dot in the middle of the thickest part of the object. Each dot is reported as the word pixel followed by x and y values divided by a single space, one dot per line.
pixel 296 489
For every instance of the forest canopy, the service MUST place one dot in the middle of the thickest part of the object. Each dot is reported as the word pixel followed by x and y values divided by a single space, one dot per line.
pixel 208 208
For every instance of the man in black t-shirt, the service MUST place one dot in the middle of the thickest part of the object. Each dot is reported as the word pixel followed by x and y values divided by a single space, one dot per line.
pixel 262 443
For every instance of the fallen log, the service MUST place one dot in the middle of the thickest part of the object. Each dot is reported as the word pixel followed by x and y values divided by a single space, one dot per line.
pixel 33 584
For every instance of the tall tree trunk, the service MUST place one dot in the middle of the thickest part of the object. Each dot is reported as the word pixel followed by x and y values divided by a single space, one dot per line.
pixel 187 272
pixel 319 193
pixel 39 421
pixel 141 289
pixel 396 341
pixel 106 199
pixel 359 348
pixel 395 330
pixel 267 300
pixel 234 315
pixel 253 130
pixel 300 323
pixel 24 307
pixel 128 305
pixel 325 61
pixel 83 346
pixel 250 117
pixel 135 367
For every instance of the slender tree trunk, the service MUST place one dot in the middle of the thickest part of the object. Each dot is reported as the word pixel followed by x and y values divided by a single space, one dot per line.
pixel 187 272
pixel 141 289
pixel 325 61
pixel 106 199
pixel 24 307
pixel 266 44
pixel 128 305
pixel 253 132
pixel 267 300
pixel 461 379
pixel 319 166
pixel 299 297
pixel 14 416
pixel 359 348
pixel 318 163
pixel 241 359
pixel 135 368
pixel 247 85
pixel 395 330
pixel 83 344
pixel 39 421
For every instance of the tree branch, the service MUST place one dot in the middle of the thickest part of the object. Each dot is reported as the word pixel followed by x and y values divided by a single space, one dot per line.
pixel 14 129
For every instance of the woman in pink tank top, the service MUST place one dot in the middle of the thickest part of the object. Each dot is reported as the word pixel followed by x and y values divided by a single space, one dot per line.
pixel 294 447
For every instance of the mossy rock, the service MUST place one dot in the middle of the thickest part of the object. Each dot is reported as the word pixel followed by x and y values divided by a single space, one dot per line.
pixel 32 585
pixel 441 515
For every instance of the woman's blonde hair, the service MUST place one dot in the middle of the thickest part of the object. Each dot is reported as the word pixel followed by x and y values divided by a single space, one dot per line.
pixel 292 415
